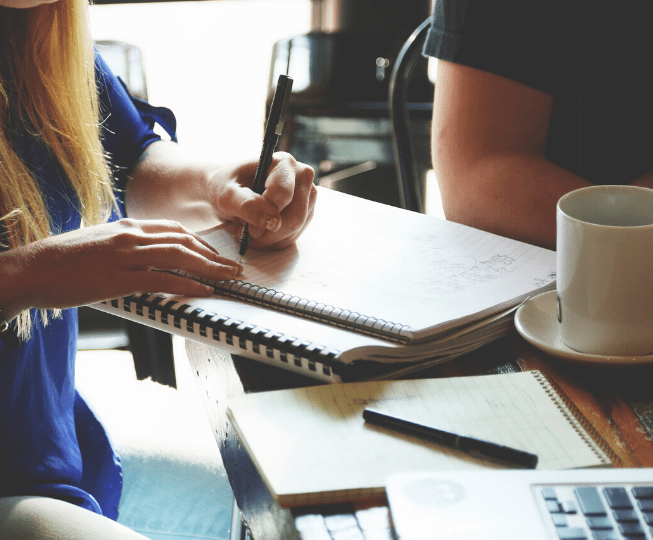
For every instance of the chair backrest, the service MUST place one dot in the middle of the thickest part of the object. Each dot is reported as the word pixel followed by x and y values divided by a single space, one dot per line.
pixel 411 194
pixel 126 61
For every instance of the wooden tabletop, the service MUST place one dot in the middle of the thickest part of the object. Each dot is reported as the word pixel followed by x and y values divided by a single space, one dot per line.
pixel 617 403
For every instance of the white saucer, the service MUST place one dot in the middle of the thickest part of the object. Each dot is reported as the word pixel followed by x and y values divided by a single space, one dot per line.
pixel 537 321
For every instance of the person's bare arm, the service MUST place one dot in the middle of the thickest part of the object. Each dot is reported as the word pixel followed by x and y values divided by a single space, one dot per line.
pixel 488 143
pixel 108 261
pixel 132 255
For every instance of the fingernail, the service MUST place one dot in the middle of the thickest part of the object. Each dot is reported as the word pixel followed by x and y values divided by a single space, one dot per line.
pixel 209 290
pixel 271 223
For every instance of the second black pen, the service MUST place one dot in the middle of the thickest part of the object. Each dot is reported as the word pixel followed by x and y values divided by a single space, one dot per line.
pixel 474 447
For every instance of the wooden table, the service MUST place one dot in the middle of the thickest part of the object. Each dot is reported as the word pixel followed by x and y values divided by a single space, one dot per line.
pixel 617 402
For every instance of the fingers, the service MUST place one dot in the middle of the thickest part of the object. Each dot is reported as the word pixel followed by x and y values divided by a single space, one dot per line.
pixel 191 243
pixel 296 218
pixel 280 214
pixel 237 204
pixel 163 231
pixel 173 257
pixel 289 187
pixel 173 284
pixel 287 180
pixel 288 184
pixel 169 235
pixel 168 246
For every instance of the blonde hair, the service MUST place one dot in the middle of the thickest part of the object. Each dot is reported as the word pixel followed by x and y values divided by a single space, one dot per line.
pixel 47 86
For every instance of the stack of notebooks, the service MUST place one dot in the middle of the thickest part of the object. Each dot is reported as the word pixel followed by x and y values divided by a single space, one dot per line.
pixel 369 291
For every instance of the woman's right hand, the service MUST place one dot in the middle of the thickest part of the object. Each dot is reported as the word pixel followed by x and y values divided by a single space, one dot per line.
pixel 108 261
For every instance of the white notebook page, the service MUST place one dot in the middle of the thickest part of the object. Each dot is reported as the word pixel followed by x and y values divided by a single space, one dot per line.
pixel 394 265
pixel 314 440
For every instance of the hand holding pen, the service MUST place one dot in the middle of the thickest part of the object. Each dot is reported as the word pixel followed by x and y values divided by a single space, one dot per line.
pixel 273 129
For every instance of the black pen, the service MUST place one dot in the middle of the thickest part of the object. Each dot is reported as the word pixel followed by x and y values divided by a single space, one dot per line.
pixel 474 447
pixel 273 129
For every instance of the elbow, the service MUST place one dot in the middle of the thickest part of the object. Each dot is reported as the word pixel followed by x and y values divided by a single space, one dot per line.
pixel 468 188
pixel 452 172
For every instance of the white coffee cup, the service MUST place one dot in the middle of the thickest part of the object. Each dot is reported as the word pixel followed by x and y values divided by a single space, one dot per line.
pixel 605 270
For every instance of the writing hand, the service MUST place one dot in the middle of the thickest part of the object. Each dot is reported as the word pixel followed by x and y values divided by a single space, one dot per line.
pixel 278 216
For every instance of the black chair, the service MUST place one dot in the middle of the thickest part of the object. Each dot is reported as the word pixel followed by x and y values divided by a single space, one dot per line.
pixel 126 61
pixel 411 186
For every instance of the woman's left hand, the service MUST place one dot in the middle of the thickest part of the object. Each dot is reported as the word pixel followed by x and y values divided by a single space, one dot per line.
pixel 278 216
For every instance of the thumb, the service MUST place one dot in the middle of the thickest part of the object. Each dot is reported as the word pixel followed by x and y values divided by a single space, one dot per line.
pixel 257 210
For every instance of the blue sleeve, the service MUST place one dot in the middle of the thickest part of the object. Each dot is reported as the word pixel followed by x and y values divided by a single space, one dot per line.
pixel 127 122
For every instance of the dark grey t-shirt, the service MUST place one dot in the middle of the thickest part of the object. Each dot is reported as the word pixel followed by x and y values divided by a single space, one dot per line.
pixel 594 57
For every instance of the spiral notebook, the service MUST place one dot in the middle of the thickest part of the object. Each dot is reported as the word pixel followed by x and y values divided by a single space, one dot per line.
pixel 312 446
pixel 367 290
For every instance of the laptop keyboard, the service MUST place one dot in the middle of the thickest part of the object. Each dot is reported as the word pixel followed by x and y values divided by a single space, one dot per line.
pixel 600 512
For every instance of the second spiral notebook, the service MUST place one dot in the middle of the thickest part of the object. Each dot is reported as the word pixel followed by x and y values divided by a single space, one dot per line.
pixel 312 445
pixel 368 290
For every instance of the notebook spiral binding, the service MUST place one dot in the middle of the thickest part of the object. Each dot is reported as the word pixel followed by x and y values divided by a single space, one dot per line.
pixel 577 419
pixel 309 309
pixel 225 330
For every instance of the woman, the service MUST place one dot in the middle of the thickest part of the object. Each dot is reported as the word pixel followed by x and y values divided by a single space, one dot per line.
pixel 76 151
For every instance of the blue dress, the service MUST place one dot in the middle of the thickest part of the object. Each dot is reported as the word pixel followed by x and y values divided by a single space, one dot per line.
pixel 51 443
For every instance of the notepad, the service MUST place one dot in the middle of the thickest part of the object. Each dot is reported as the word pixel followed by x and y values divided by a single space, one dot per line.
pixel 311 445
pixel 393 274
pixel 368 290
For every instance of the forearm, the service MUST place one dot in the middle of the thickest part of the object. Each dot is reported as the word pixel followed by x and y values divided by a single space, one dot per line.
pixel 168 184
pixel 15 280
pixel 488 146
pixel 511 195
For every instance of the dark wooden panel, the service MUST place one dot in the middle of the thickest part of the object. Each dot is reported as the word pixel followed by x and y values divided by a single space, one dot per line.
pixel 218 379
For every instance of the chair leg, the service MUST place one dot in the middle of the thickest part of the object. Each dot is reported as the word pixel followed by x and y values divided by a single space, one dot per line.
pixel 238 531
pixel 152 351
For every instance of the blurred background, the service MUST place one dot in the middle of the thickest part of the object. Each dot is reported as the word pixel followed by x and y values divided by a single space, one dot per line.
pixel 215 64
pixel 208 61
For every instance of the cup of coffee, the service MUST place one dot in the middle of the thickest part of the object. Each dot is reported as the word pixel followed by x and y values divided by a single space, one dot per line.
pixel 605 270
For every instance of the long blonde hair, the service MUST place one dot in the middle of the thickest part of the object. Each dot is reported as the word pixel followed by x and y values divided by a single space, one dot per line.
pixel 47 81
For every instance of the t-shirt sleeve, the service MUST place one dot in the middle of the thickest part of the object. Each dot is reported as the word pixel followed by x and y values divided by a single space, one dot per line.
pixel 525 41
pixel 127 123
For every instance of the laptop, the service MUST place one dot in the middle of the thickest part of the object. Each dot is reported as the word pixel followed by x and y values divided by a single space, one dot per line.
pixel 578 504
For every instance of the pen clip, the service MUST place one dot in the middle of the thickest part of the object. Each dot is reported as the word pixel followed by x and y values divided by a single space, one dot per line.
pixel 280 100
pixel 286 101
